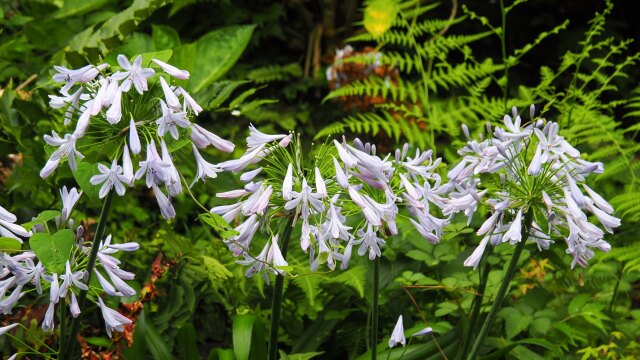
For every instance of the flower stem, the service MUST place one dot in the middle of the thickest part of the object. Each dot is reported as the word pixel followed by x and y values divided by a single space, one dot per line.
pixel 102 224
pixel 62 313
pixel 477 304
pixel 503 287
pixel 374 308
pixel 276 305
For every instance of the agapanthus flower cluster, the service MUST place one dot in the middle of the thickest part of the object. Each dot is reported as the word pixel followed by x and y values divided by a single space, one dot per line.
pixel 530 172
pixel 342 196
pixel 24 271
pixel 132 115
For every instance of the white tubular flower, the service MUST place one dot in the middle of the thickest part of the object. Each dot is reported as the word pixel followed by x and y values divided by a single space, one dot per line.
pixel 237 165
pixel 74 307
pixel 106 286
pixel 285 141
pixel 113 319
pixel 474 258
pixel 69 200
pixel 114 114
pixel 258 264
pixel 301 201
pixel 423 332
pixel 8 228
pixel 5 329
pixel 257 138
pixel 169 96
pixel 250 175
pixel 47 323
pixel 205 169
pixel 170 120
pixel 97 102
pixel 134 140
pixel 133 74
pixel 275 257
pixel 172 70
pixel 127 166
pixel 189 102
pixel 238 244
pixel 82 75
pixel 206 138
pixel 341 177
pixel 154 168
pixel 70 101
pixel 173 183
pixel 166 209
pixel 321 187
pixel 287 184
pixel 397 336
pixel 227 212
pixel 110 177
pixel 369 241
pixel 66 147
pixel 7 304
pixel 70 278
pixel 514 234
pixel 348 160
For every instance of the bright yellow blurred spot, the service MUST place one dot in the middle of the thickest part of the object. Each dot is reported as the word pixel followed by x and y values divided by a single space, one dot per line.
pixel 379 16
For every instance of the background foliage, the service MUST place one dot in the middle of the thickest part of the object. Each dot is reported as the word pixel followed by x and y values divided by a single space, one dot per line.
pixel 439 65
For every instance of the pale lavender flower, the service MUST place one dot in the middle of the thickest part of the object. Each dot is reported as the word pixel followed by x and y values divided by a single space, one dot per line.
pixel 189 102
pixel 5 329
pixel 287 184
pixel 110 178
pixel 250 175
pixel 134 140
pixel 66 147
pixel 169 96
pixel 275 257
pixel 397 336
pixel 369 242
pixel 250 157
pixel 69 200
pixel 173 183
pixel 170 120
pixel 127 165
pixel 206 138
pixel 133 74
pixel 8 228
pixel 47 323
pixel 113 319
pixel 474 258
pixel 114 114
pixel 257 138
pixel 82 75
pixel 154 167
pixel 205 169
pixel 70 101
pixel 172 70
pixel 166 209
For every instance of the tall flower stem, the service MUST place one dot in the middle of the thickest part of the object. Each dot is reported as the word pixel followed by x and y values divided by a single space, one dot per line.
pixel 276 305
pixel 62 313
pixel 374 309
pixel 99 236
pixel 476 305
pixel 503 287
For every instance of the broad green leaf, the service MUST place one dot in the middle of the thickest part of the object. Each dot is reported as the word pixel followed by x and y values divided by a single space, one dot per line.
pixel 303 356
pixel 379 16
pixel 515 321
pixel 221 354
pixel 164 37
pixel 53 250
pixel 186 342
pixel 212 55
pixel 9 245
pixel 82 175
pixel 248 338
pixel 42 218
pixel 78 7
pixel 99 341
pixel 155 344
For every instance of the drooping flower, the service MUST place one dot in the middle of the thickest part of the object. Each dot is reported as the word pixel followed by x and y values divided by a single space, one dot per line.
pixel 113 320
pixel 172 70
pixel 397 336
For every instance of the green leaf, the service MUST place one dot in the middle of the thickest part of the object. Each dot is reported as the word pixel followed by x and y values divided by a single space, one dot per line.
pixel 354 277
pixel 248 338
pixel 9 245
pixel 53 250
pixel 78 7
pixel 221 354
pixel 310 285
pixel 155 344
pixel 82 175
pixel 42 218
pixel 212 55
pixel 186 342
pixel 99 341
pixel 515 321
pixel 302 356
pixel 218 224
pixel 164 37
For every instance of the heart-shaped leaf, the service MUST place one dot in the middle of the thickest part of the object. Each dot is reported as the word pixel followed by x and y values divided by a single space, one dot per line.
pixel 53 250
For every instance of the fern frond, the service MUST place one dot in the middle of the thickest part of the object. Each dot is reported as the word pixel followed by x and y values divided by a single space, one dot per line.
pixel 275 73
pixel 462 75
